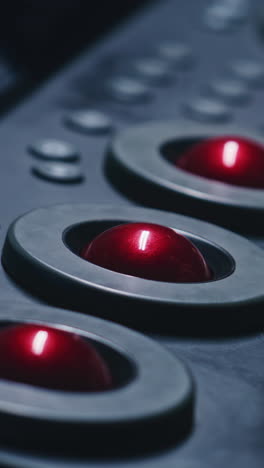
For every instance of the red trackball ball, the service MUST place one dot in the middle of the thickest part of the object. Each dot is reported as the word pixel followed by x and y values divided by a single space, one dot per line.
pixel 51 358
pixel 148 251
pixel 230 159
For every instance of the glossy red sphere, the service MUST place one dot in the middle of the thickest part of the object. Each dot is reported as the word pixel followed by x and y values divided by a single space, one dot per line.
pixel 148 251
pixel 230 159
pixel 51 358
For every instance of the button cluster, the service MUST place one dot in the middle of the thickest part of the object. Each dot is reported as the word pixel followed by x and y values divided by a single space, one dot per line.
pixel 57 161
pixel 137 84
pixel 52 358
pixel 216 98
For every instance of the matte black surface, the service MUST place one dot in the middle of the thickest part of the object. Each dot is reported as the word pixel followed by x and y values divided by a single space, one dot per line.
pixel 229 419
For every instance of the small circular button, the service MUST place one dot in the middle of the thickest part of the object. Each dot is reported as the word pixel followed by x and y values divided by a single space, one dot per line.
pixel 230 90
pixel 249 70
pixel 58 172
pixel 89 121
pixel 51 358
pixel 148 251
pixel 230 159
pixel 179 54
pixel 225 14
pixel 128 89
pixel 205 109
pixel 54 150
pixel 152 70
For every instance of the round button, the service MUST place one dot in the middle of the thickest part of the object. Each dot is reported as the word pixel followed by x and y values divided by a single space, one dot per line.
pixel 230 90
pixel 231 159
pixel 179 54
pixel 56 172
pixel 205 109
pixel 225 14
pixel 89 121
pixel 249 70
pixel 149 388
pixel 148 251
pixel 54 150
pixel 147 153
pixel 232 299
pixel 128 90
pixel 51 358
pixel 152 70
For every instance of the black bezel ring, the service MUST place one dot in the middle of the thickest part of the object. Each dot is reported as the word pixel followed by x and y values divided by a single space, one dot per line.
pixel 36 255
pixel 160 393
pixel 136 165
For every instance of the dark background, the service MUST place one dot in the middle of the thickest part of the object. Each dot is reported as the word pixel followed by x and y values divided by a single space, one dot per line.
pixel 39 36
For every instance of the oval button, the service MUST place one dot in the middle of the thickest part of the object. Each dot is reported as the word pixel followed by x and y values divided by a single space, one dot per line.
pixel 179 54
pixel 54 150
pixel 89 121
pixel 56 172
pixel 207 110
pixel 251 71
pixel 128 90
pixel 152 70
pixel 230 90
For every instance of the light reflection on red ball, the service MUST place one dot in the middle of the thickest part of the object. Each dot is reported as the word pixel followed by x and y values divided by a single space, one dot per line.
pixel 230 159
pixel 148 251
pixel 51 358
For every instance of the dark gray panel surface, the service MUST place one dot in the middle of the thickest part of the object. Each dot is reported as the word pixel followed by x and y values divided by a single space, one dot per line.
pixel 229 422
